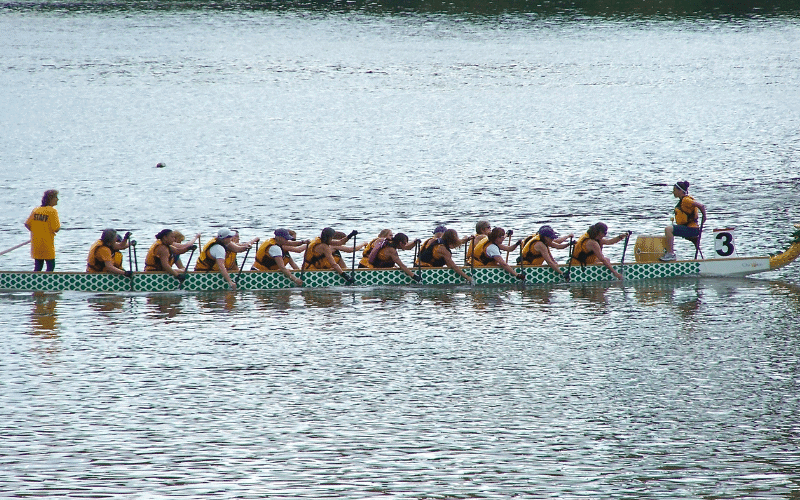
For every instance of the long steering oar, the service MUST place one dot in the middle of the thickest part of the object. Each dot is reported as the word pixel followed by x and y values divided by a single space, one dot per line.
pixel 236 281
pixel 14 247
pixel 624 249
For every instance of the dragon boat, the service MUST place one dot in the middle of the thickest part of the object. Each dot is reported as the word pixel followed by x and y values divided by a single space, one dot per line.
pixel 645 267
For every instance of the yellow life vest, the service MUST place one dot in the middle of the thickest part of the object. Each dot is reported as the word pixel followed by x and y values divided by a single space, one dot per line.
pixel 479 257
pixel 313 261
pixel 686 214
pixel 264 261
pixel 531 256
pixel 206 263
pixel 152 262
pixel 427 254
pixel 94 264
pixel 580 255
pixel 364 262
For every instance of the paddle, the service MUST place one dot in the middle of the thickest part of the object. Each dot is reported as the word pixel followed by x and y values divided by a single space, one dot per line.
pixel 624 249
pixel 130 260
pixel 186 269
pixel 418 262
pixel 135 258
pixel 353 263
pixel 236 281
pixel 569 264
pixel 14 247
pixel 510 232
pixel 472 263
pixel 522 264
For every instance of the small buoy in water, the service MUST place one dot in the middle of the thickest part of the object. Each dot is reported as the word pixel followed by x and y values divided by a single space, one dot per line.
pixel 160 165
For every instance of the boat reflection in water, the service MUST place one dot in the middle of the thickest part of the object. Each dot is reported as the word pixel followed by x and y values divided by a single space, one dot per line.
pixel 164 306
pixel 44 317
pixel 224 300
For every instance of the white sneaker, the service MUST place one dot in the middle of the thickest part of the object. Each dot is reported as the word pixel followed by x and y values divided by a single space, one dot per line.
pixel 668 256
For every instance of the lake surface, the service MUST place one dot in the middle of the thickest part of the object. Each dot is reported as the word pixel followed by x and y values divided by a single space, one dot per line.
pixel 304 119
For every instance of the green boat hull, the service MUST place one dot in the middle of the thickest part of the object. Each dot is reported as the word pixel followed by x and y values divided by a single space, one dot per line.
pixel 272 280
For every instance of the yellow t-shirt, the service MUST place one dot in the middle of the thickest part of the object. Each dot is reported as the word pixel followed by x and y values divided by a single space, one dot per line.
pixel 43 223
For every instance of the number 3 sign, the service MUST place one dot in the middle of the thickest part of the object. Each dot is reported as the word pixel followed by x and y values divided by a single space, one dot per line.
pixel 723 242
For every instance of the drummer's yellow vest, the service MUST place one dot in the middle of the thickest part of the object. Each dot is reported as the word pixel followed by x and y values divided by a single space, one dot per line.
pixel 206 263
pixel 264 261
pixel 153 263
pixel 531 256
pixel 686 214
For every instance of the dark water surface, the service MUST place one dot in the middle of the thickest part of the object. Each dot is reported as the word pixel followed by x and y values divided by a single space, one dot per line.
pixel 682 389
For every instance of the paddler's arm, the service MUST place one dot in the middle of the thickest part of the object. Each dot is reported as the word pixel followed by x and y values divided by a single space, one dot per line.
pixel 326 250
pixel 598 252
pixel 224 272
pixel 396 260
pixel 452 265
pixel 282 267
pixel 498 259
pixel 180 248
pixel 411 244
pixel 548 257
pixel 111 268
pixel 163 256
pixel 236 247
pixel 559 242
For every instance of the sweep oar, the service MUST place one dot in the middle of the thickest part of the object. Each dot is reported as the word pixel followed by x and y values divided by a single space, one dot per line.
pixel 14 247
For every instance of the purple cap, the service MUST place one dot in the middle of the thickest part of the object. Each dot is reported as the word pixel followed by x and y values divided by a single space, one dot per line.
pixel 548 232
pixel 439 229
pixel 284 233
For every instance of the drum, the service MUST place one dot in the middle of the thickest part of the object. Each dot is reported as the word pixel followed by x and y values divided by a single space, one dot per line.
pixel 649 248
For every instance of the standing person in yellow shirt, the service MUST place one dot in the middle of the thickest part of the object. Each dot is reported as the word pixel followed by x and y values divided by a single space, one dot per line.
pixel 43 223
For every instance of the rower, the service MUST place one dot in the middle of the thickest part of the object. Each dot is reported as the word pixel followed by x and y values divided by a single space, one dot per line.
pixel 160 256
pixel 219 254
pixel 589 248
pixel 321 252
pixel 274 254
pixel 101 254
pixel 488 252
pixel 439 254
pixel 536 248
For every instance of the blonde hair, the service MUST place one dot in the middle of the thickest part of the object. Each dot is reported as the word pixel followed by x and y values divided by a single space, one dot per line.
pixel 178 236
